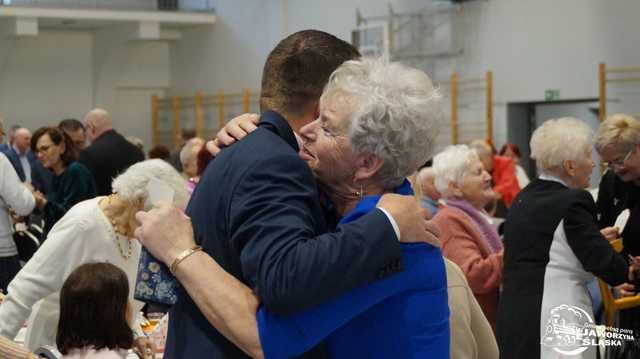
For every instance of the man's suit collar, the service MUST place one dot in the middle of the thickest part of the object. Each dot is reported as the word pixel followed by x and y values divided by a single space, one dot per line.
pixel 278 124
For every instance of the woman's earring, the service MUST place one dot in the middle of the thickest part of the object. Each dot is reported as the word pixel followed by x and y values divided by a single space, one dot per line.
pixel 360 193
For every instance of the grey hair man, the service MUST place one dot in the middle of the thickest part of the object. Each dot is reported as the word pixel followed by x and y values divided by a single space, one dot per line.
pixel 189 157
pixel 11 132
pixel 20 157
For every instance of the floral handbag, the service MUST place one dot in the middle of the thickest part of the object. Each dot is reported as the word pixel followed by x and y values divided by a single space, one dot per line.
pixel 154 282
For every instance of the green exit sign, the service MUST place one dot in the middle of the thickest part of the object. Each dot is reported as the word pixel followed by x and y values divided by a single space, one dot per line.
pixel 552 95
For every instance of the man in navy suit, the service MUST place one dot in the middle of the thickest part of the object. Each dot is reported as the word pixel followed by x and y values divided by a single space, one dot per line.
pixel 27 166
pixel 257 210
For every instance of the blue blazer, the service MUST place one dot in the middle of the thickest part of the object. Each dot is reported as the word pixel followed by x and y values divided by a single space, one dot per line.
pixel 405 315
pixel 40 177
pixel 4 147
pixel 257 212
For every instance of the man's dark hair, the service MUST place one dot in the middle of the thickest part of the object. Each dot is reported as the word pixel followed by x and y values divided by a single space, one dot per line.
pixel 70 125
pixel 57 137
pixel 93 309
pixel 298 68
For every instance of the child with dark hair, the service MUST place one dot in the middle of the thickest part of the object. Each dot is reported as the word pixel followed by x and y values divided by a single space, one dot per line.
pixel 94 313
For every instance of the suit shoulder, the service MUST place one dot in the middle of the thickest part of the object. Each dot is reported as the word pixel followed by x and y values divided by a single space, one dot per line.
pixel 580 201
pixel 263 146
pixel 579 197
pixel 262 156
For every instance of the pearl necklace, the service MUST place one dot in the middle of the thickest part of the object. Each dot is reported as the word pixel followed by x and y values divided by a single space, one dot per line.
pixel 116 233
pixel 116 238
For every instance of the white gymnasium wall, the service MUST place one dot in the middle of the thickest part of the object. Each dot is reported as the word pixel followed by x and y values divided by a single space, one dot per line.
pixel 126 73
pixel 229 55
pixel 60 74
pixel 45 78
pixel 529 45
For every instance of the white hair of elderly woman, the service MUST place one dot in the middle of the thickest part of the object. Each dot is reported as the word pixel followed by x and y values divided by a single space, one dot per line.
pixel 559 140
pixel 451 165
pixel 397 114
pixel 618 130
pixel 191 149
pixel 132 184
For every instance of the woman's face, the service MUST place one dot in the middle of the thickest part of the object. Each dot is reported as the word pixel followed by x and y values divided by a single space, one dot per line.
pixel 476 185
pixel 48 152
pixel 582 171
pixel 624 161
pixel 326 146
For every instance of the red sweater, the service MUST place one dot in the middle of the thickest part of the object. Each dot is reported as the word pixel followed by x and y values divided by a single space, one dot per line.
pixel 463 244
pixel 504 178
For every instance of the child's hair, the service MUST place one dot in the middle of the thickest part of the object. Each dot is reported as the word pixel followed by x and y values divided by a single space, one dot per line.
pixel 93 309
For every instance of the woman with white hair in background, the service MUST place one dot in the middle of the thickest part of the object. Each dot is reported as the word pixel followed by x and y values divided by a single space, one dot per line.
pixel 189 161
pixel 96 230
pixel 468 237
pixel 553 248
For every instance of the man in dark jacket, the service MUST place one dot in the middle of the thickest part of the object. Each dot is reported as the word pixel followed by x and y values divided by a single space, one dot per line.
pixel 109 154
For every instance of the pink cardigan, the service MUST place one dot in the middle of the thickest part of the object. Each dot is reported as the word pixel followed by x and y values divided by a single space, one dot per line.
pixel 463 244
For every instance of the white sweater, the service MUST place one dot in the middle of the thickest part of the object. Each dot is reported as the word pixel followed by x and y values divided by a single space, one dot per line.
pixel 83 235
pixel 14 196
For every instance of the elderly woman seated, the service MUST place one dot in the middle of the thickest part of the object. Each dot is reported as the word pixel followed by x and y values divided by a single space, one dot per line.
pixel 468 237
pixel 553 248
pixel 96 230
pixel 378 122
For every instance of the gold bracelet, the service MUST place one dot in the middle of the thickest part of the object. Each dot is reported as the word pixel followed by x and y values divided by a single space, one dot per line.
pixel 182 256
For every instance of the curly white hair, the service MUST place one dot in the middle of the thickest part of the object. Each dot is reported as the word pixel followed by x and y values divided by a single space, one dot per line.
pixel 555 141
pixel 451 165
pixel 397 114
pixel 132 184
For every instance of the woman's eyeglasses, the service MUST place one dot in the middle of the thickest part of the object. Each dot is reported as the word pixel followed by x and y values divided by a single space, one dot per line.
pixel 619 163
pixel 43 148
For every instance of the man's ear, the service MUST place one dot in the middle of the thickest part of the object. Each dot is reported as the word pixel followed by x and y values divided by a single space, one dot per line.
pixel 367 165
